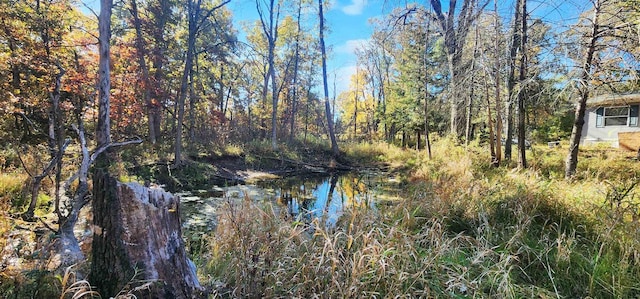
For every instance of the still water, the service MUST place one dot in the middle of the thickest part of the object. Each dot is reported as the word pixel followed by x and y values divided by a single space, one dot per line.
pixel 303 198
pixel 327 197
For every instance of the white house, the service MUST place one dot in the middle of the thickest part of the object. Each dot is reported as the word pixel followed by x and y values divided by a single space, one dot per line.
pixel 613 119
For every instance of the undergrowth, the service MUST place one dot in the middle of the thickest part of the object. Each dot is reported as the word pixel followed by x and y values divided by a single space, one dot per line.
pixel 465 229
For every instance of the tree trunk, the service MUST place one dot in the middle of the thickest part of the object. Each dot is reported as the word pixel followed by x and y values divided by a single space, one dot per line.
pixel 492 140
pixel 294 100
pixel 160 15
pixel 103 127
pixel 68 248
pixel 522 154
pixel 139 43
pixel 139 239
pixel 498 67
pixel 515 45
pixel 193 12
pixel 571 162
pixel 192 106
pixel 454 39
pixel 104 275
pixel 270 30
pixel 327 108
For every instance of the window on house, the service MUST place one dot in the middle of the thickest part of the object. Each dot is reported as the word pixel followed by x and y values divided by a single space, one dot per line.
pixel 617 116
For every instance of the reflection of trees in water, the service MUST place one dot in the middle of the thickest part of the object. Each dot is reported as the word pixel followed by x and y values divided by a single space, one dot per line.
pixel 338 191
pixel 332 187
pixel 296 193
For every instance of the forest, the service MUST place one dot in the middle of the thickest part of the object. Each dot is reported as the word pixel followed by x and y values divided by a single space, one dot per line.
pixel 165 149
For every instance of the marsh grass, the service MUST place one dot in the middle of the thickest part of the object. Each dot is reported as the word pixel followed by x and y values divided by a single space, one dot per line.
pixel 11 190
pixel 465 229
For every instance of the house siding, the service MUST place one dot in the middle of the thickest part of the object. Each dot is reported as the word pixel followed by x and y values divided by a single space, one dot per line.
pixel 609 134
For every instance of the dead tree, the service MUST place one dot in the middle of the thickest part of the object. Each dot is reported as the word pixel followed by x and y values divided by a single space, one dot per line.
pixel 571 162
pixel 137 245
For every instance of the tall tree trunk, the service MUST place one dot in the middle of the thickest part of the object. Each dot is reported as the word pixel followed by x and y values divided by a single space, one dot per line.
pixel 327 108
pixel 522 154
pixel 105 276
pixel 294 100
pixel 355 105
pixel 160 15
pixel 103 127
pixel 571 163
pixel 498 99
pixel 141 52
pixel 193 11
pixel 425 61
pixel 426 122
pixel 469 108
pixel 492 139
pixel 306 113
pixel 192 106
pixel 270 29
pixel 511 81
pixel 274 103
pixel 456 104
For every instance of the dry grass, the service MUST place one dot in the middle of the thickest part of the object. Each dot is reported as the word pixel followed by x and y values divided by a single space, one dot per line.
pixel 464 230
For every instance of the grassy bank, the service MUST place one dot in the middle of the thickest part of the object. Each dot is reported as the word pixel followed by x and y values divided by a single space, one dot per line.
pixel 464 230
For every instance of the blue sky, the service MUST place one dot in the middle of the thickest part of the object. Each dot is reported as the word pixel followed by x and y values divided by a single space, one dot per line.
pixel 348 25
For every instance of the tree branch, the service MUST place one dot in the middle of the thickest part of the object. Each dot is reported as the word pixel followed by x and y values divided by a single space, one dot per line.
pixel 209 12
pixel 110 145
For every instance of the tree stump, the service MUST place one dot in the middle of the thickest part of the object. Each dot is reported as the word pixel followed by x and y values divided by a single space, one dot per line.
pixel 137 240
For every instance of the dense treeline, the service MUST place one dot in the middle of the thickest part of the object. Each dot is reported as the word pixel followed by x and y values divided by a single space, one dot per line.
pixel 183 69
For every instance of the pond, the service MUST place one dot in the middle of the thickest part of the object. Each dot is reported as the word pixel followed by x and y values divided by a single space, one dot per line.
pixel 304 198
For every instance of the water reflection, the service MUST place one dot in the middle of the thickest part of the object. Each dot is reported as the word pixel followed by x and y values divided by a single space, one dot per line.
pixel 326 197
pixel 301 198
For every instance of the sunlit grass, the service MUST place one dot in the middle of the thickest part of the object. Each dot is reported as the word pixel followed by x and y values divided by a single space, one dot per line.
pixel 465 229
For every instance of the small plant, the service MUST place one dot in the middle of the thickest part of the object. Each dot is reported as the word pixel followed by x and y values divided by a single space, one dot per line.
pixel 74 288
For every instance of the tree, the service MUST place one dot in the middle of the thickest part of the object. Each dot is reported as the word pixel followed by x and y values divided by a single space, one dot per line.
pixel 196 18
pixel 455 33
pixel 522 156
pixel 141 52
pixel 270 29
pixel 124 214
pixel 513 50
pixel 334 144
pixel 603 25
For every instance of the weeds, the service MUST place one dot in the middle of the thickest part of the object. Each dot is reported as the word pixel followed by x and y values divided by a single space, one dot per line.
pixel 74 288
pixel 465 229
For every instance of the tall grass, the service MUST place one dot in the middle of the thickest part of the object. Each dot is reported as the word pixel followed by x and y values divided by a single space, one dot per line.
pixel 465 229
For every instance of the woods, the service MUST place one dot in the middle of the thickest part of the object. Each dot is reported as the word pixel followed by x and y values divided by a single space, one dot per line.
pixel 93 99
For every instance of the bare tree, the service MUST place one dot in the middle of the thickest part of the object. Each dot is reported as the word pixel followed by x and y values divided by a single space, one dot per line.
pixel 607 31
pixel 136 230
pixel 327 108
pixel 270 29
pixel 522 155
pixel 583 91
pixel 498 66
pixel 455 34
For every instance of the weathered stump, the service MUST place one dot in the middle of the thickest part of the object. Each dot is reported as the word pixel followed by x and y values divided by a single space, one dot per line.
pixel 137 231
